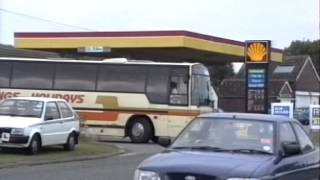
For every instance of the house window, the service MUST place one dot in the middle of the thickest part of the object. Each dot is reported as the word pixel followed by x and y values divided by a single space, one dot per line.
pixel 283 69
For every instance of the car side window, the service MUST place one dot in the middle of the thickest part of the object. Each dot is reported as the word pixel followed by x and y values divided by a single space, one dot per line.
pixel 52 111
pixel 65 110
pixel 287 134
pixel 305 142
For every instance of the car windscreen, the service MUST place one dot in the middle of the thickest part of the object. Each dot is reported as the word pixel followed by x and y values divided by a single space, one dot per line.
pixel 22 108
pixel 228 134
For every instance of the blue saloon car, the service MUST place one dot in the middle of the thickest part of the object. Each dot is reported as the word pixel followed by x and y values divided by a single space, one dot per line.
pixel 235 146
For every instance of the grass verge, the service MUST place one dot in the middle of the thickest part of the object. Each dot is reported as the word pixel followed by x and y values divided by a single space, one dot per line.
pixel 84 151
pixel 316 137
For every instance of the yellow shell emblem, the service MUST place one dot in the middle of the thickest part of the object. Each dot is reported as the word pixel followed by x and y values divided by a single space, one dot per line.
pixel 257 52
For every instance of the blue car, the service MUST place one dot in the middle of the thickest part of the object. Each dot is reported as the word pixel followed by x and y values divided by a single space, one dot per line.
pixel 235 146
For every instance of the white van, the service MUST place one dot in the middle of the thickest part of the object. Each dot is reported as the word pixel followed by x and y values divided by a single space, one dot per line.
pixel 31 123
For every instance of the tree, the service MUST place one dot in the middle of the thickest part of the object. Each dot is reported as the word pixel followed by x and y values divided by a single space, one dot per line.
pixel 311 48
pixel 220 72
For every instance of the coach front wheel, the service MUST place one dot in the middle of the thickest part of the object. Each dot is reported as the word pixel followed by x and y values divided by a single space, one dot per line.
pixel 140 130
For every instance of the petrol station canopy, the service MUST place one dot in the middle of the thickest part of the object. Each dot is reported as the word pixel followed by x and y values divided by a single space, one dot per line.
pixel 146 45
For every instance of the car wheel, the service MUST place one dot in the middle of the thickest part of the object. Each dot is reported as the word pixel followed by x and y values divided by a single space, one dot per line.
pixel 140 130
pixel 71 143
pixel 34 146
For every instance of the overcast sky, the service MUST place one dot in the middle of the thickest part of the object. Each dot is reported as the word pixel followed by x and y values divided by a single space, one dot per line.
pixel 278 20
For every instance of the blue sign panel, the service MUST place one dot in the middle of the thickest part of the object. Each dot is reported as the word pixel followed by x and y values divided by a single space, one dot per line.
pixel 256 78
pixel 281 110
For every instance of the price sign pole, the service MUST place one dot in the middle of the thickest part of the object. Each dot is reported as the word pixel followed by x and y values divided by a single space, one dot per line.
pixel 257 57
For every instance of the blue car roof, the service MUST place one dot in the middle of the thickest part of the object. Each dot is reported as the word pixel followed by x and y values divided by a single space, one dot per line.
pixel 247 116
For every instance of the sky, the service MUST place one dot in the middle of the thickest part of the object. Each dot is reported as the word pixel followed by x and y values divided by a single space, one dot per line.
pixel 280 21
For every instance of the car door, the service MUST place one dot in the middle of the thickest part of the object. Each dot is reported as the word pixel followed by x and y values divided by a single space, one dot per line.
pixel 292 167
pixel 288 167
pixel 68 118
pixel 311 157
pixel 51 128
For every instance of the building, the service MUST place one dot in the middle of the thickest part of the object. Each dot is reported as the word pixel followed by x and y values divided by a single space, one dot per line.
pixel 295 80
pixel 170 46
pixel 232 93
pixel 165 46
pixel 9 51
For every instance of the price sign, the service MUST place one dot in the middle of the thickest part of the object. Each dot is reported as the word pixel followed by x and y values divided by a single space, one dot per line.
pixel 282 109
pixel 314 117
pixel 256 100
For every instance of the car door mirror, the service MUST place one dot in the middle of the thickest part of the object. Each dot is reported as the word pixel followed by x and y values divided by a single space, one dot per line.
pixel 291 149
pixel 211 93
pixel 164 141
pixel 48 118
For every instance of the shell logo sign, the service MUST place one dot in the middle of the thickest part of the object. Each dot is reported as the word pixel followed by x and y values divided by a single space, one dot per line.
pixel 257 51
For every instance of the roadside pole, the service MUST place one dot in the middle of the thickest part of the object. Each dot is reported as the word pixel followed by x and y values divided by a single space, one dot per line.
pixel 1 21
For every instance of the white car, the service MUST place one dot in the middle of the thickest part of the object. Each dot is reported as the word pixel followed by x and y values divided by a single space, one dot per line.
pixel 31 123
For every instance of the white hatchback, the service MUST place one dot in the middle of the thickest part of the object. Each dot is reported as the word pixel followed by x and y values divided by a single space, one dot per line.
pixel 31 123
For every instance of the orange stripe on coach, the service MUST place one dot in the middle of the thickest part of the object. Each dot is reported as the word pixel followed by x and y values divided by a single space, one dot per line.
pixel 99 116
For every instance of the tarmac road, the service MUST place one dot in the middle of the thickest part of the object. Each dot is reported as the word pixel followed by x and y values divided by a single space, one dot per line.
pixel 119 167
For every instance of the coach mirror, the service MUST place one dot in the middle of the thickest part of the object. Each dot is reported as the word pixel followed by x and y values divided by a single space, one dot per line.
pixel 211 92
pixel 211 95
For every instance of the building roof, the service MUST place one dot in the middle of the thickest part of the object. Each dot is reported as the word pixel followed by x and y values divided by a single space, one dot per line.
pixel 156 45
pixel 296 62
pixel 235 88
pixel 289 69
pixel 9 51
pixel 296 72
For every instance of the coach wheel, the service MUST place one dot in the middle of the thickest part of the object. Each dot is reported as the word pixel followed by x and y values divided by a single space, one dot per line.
pixel 140 130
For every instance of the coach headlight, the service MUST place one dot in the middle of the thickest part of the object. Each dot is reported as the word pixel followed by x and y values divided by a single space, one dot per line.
pixel 146 175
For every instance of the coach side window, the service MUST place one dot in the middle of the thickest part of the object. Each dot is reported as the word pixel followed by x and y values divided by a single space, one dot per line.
pixel 157 85
pixel 179 86
pixel 5 69
pixel 75 76
pixel 200 86
pixel 122 78
pixel 33 75
pixel 200 90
